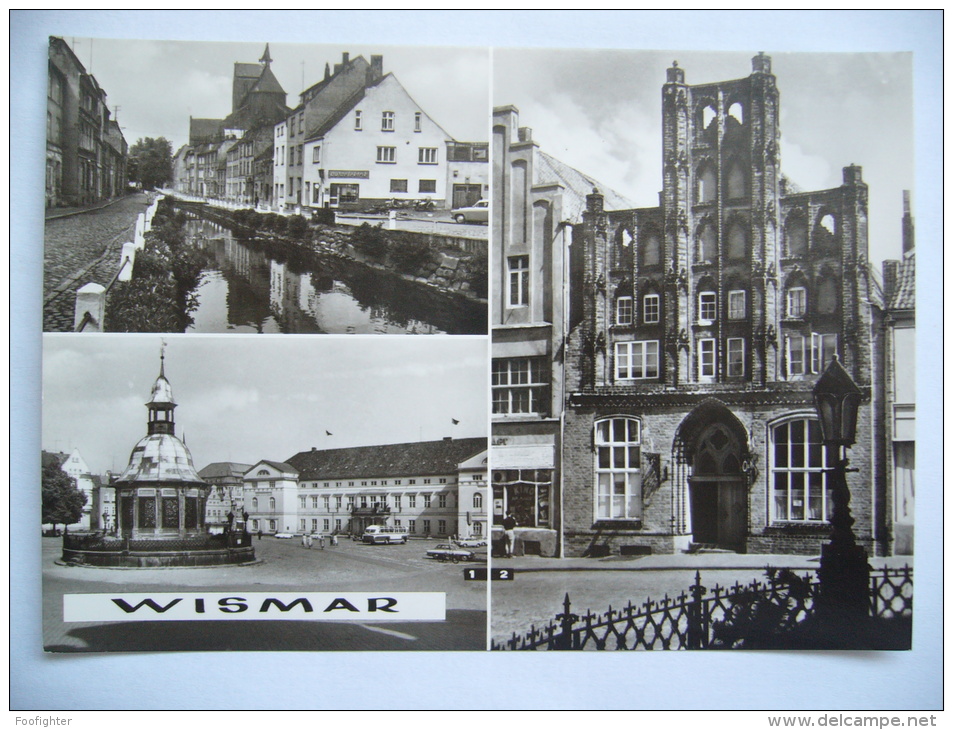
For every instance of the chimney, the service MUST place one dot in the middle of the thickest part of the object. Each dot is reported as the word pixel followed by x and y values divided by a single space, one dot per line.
pixel 327 71
pixel 345 57
pixel 448 438
pixel 525 134
pixel 314 448
pixel 891 271
pixel 375 72
pixel 908 237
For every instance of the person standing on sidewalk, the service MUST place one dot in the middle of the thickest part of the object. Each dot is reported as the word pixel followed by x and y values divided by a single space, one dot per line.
pixel 509 534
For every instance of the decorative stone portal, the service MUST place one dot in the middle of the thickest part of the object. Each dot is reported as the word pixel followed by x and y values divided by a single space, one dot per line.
pixel 161 505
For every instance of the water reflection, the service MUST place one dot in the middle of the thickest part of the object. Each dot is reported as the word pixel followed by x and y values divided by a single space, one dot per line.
pixel 268 287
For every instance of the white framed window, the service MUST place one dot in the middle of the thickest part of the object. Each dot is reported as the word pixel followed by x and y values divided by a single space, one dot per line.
pixel 427 156
pixel 520 385
pixel 477 500
pixel 326 523
pixel 314 524
pixel 707 307
pixel 358 121
pixel 706 358
pixel 398 186
pixel 737 304
pixel 396 501
pixel 411 525
pixel 426 501
pixel 618 469
pixel 254 503
pixel 412 501
pixel 823 349
pixel 518 267
pixel 441 500
pixel 387 155
pixel 650 309
pixel 316 155
pixel 327 503
pixel 799 487
pixel 426 527
pixel 337 503
pixel 809 355
pixel 441 527
pixel 273 525
pixel 417 117
pixel 271 503
pixel 624 311
pixel 303 501
pixel 427 186
pixel 301 524
pixel 797 302
pixel 387 121
pixel 736 357
pixel 637 360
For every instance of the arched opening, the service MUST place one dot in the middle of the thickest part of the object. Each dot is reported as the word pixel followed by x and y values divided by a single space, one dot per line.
pixel 735 182
pixel 825 231
pixel 707 248
pixel 737 240
pixel 710 452
pixel 706 184
pixel 737 112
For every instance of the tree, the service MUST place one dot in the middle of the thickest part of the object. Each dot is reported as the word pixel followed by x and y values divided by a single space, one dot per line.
pixel 62 501
pixel 150 162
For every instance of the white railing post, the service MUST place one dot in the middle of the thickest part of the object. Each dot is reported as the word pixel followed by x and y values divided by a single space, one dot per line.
pixel 90 308
pixel 126 261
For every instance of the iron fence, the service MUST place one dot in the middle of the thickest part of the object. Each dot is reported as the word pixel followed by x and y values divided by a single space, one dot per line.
pixel 708 619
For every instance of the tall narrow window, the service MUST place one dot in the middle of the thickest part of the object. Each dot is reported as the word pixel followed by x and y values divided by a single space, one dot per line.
pixel 387 121
pixel 650 309
pixel 636 360
pixel 624 310
pixel 797 302
pixel 519 280
pixel 736 304
pixel 417 116
pixel 736 357
pixel 707 307
pixel 706 358
pixel 705 190
pixel 358 121
pixel 707 244
pixel 798 480
pixel 651 250
pixel 618 474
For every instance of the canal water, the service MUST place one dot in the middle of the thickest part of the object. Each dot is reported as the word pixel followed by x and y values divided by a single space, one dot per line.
pixel 271 287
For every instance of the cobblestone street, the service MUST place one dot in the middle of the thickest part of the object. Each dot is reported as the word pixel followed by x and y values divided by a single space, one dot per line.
pixel 81 248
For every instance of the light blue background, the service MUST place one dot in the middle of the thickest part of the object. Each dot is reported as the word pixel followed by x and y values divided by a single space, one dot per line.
pixel 762 680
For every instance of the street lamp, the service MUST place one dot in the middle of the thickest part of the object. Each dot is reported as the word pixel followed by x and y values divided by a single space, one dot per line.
pixel 844 573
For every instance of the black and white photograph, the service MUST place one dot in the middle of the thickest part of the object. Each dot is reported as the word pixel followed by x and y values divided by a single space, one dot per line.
pixel 697 325
pixel 265 188
pixel 315 486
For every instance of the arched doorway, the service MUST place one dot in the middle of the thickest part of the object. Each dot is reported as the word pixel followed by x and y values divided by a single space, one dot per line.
pixel 712 443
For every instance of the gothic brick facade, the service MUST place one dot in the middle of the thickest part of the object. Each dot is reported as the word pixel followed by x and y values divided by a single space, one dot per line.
pixel 700 328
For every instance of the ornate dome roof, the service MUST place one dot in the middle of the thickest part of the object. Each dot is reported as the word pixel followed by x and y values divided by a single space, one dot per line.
pixel 160 457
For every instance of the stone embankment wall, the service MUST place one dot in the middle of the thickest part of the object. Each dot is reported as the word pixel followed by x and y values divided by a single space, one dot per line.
pixel 436 261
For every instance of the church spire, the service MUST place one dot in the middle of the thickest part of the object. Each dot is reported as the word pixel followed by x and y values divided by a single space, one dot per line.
pixel 266 56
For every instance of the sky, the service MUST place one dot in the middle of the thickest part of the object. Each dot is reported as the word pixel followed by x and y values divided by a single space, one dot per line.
pixel 600 112
pixel 158 84
pixel 249 398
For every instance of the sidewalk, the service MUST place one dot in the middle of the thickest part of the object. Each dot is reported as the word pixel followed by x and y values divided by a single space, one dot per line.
pixel 681 561
pixel 55 213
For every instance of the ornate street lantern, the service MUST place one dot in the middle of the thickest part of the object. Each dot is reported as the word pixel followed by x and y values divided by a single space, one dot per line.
pixel 836 398
pixel 844 573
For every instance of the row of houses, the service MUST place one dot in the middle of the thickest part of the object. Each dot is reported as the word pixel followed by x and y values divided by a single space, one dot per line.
pixel 356 139
pixel 429 488
pixel 86 153
pixel 653 366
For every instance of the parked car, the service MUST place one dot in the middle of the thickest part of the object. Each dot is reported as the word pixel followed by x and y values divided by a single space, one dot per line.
pixel 479 212
pixel 445 551
pixel 469 542
pixel 284 535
